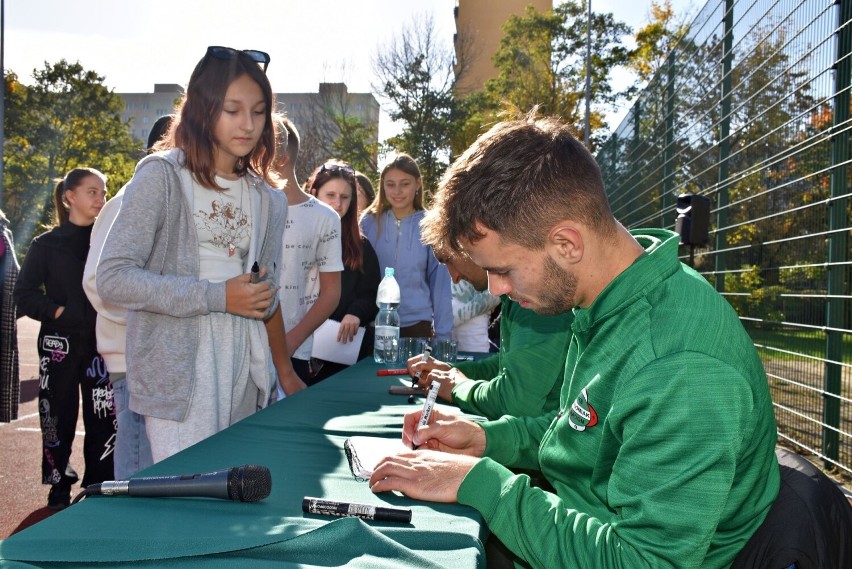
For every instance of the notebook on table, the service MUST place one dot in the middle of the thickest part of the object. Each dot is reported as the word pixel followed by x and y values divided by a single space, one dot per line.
pixel 364 453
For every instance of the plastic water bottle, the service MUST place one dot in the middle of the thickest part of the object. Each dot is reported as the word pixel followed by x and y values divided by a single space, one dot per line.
pixel 387 321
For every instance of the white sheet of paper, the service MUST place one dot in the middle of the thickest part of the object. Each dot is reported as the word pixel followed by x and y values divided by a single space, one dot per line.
pixel 364 453
pixel 326 347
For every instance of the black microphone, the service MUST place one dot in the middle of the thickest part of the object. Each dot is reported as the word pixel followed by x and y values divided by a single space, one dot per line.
pixel 248 483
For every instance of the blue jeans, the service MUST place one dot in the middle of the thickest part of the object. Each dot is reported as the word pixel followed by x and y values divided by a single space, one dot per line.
pixel 132 450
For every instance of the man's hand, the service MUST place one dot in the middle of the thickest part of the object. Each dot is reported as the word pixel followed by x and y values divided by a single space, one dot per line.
pixel 414 365
pixel 423 475
pixel 246 299
pixel 444 432
pixel 447 379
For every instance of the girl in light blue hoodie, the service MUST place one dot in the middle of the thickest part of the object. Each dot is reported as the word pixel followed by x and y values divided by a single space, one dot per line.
pixel 392 225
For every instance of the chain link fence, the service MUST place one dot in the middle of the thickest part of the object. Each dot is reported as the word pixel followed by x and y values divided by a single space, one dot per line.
pixel 752 110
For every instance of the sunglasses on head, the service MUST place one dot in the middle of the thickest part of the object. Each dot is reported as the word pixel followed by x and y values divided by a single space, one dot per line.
pixel 332 168
pixel 226 53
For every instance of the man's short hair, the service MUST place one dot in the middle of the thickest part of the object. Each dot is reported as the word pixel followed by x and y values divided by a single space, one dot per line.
pixel 519 179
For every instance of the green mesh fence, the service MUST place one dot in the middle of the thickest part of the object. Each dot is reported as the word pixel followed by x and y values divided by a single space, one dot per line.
pixel 752 110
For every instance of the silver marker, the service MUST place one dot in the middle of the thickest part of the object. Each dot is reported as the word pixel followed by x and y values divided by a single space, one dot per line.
pixel 428 405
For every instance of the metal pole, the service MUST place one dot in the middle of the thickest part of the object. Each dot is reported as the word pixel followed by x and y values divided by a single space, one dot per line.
pixel 724 146
pixel 838 243
pixel 587 133
pixel 2 99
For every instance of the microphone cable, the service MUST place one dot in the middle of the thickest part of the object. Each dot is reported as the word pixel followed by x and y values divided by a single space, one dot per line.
pixel 82 494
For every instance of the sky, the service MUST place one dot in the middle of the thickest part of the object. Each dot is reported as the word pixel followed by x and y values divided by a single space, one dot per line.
pixel 134 45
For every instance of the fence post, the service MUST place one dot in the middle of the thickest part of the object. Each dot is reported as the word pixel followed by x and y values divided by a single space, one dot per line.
pixel 724 146
pixel 838 247
pixel 669 151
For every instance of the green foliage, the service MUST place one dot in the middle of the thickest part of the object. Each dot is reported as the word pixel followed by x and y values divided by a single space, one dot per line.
pixel 655 40
pixel 67 118
pixel 357 144
pixel 331 129
pixel 759 301
pixel 541 62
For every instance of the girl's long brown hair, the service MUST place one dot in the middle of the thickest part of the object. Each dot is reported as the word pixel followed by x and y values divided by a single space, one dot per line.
pixel 199 110
pixel 350 232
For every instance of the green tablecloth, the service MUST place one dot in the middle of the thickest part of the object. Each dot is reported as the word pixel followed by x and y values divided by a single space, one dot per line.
pixel 300 439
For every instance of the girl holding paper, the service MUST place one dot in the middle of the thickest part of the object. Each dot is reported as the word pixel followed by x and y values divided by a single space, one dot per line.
pixel 334 184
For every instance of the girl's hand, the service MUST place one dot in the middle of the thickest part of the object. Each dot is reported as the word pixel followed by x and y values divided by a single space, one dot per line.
pixel 348 328
pixel 289 381
pixel 246 299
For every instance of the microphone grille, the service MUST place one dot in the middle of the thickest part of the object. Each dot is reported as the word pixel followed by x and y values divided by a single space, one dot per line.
pixel 249 483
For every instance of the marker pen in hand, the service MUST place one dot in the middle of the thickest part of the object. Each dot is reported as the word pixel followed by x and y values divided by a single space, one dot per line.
pixel 428 405
pixel 255 273
pixel 423 359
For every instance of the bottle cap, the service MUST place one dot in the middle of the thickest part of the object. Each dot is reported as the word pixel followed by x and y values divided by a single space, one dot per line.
pixel 388 271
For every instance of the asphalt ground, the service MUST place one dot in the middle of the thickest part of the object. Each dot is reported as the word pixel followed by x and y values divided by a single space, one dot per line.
pixel 22 495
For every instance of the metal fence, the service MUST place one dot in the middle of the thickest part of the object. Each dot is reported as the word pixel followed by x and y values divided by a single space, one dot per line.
pixel 752 110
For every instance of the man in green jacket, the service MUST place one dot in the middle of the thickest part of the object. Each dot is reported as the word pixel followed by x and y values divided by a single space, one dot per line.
pixel 498 385
pixel 661 453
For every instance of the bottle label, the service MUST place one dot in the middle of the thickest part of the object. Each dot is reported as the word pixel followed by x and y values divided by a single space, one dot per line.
pixel 386 336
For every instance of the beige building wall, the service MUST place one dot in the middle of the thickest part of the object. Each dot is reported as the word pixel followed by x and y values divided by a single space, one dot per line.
pixel 479 30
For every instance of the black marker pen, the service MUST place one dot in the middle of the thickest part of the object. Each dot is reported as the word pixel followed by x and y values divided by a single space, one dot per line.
pixel 255 273
pixel 348 509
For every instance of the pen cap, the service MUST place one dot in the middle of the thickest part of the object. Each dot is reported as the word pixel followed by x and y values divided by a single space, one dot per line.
pixel 393 515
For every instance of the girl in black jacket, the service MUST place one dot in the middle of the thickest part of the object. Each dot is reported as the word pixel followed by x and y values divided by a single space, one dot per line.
pixel 50 289
pixel 334 184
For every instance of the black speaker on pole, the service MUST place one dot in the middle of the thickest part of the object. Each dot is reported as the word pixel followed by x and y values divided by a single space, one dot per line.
pixel 693 219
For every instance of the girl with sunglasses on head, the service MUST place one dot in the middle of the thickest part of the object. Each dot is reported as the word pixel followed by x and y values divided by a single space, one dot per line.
pixel 193 257
pixel 50 289
pixel 392 224
pixel 334 183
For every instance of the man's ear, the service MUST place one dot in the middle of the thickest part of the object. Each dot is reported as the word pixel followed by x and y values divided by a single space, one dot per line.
pixel 565 242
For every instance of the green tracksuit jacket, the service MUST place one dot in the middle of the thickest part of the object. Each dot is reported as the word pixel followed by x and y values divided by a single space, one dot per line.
pixel 662 452
pixel 525 377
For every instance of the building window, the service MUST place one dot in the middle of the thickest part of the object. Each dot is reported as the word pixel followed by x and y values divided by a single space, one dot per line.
pixel 144 120
pixel 144 134
pixel 145 106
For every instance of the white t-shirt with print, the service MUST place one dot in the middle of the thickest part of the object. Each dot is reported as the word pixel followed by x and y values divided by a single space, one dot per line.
pixel 223 222
pixel 311 246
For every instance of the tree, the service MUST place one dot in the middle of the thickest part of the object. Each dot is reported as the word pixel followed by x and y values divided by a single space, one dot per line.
pixel 418 76
pixel 333 128
pixel 541 63
pixel 67 118
pixel 655 40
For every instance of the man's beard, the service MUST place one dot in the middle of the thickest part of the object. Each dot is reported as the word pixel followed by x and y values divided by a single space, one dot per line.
pixel 557 290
